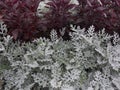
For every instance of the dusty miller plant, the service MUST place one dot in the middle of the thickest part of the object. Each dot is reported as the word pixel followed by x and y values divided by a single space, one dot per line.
pixel 90 61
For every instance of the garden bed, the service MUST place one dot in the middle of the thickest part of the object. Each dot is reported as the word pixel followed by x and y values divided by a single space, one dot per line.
pixel 59 45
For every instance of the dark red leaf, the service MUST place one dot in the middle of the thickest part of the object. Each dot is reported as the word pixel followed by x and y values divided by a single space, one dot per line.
pixel 15 34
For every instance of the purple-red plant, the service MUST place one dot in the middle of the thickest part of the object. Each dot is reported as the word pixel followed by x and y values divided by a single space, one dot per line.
pixel 20 18
pixel 59 14
pixel 100 13
pixel 24 24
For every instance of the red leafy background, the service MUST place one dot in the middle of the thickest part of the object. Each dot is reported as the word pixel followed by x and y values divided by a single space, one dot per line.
pixel 24 24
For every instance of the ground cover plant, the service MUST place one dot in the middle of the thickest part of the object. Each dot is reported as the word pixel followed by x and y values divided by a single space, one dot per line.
pixel 57 44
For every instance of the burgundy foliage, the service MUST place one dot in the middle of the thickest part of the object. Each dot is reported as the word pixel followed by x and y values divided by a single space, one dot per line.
pixel 21 19
pixel 59 15
pixel 23 23
pixel 100 13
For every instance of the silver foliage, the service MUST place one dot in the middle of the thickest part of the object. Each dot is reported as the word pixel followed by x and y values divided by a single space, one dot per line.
pixel 90 61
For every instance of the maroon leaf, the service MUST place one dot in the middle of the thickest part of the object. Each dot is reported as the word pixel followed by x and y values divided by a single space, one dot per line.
pixel 15 34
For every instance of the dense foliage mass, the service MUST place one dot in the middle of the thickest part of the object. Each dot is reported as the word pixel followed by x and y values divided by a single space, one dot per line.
pixel 21 18
pixel 100 13
pixel 30 19
pixel 42 44
pixel 88 61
